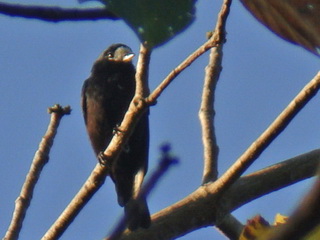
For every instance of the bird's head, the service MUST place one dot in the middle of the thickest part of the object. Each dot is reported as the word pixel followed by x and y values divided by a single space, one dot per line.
pixel 117 53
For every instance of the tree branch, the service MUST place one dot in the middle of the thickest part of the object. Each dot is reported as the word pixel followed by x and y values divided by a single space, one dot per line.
pixel 229 226
pixel 263 141
pixel 55 14
pixel 41 157
pixel 207 112
pixel 273 178
pixel 201 208
pixel 175 72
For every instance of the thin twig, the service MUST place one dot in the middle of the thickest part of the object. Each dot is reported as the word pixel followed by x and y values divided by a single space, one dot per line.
pixel 263 141
pixel 55 14
pixel 41 157
pixel 207 112
pixel 212 42
pixel 166 161
pixel 152 98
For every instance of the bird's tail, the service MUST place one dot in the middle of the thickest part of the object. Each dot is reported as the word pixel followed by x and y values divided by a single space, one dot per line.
pixel 137 214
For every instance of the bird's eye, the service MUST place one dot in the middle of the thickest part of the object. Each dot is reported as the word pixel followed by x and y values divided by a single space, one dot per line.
pixel 110 55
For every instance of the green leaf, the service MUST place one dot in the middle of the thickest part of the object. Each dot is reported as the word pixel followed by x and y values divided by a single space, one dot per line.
pixel 154 21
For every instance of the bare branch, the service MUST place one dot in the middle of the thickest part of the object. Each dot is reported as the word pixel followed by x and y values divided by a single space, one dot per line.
pixel 202 207
pixel 142 86
pixel 55 14
pixel 263 141
pixel 207 112
pixel 270 179
pixel 175 72
pixel 41 157
pixel 212 42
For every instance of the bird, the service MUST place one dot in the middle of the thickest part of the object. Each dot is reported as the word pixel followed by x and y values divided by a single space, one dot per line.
pixel 106 96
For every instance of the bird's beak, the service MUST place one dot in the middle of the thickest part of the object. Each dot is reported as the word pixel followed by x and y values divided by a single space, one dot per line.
pixel 128 57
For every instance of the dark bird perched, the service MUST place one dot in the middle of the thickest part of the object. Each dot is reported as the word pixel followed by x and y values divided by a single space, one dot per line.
pixel 106 96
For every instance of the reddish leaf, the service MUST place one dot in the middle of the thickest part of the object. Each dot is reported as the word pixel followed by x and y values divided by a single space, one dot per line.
pixel 297 21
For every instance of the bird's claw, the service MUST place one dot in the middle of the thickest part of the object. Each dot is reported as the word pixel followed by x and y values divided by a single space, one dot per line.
pixel 117 130
pixel 103 159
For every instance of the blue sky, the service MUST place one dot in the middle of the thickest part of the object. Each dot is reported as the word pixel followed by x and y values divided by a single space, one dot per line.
pixel 45 63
